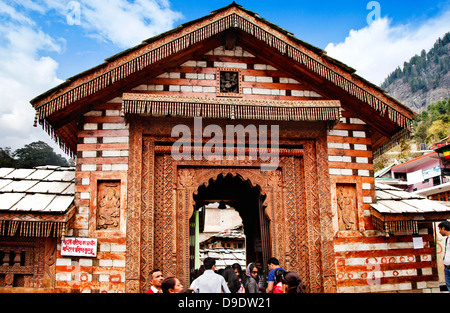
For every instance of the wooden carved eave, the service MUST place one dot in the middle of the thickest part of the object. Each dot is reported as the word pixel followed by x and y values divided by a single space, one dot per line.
pixel 231 108
pixel 35 224
pixel 402 223
pixel 150 54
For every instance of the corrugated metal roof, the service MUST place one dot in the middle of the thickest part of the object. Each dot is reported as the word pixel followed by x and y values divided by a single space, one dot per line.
pixel 40 189
pixel 393 200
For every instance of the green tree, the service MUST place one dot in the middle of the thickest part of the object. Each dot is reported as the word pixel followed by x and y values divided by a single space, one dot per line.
pixel 438 131
pixel 37 154
pixel 6 159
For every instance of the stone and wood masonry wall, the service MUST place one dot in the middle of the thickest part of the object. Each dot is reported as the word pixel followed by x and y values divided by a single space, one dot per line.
pixel 366 261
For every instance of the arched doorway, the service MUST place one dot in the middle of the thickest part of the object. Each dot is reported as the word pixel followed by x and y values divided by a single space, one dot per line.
pixel 161 203
pixel 248 200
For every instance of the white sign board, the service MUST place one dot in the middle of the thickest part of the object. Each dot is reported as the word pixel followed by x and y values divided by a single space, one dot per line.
pixel 83 247
pixel 432 172
pixel 418 242
pixel 414 177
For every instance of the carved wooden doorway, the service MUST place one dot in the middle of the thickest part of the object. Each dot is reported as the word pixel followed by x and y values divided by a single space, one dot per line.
pixel 161 201
pixel 248 200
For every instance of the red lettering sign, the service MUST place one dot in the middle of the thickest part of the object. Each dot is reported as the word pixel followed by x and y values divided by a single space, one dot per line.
pixel 83 247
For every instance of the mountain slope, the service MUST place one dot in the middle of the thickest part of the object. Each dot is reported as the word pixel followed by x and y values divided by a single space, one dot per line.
pixel 424 79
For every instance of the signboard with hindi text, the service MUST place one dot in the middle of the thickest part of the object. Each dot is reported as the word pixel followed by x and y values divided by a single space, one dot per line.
pixel 82 247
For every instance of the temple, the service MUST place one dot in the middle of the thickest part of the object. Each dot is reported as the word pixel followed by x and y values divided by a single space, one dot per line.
pixel 149 132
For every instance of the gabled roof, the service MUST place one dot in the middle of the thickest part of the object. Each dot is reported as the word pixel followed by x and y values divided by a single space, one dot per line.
pixel 37 201
pixel 398 212
pixel 56 108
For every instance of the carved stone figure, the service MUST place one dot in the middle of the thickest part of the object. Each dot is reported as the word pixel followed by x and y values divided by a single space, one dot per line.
pixel 108 205
pixel 347 207
pixel 229 82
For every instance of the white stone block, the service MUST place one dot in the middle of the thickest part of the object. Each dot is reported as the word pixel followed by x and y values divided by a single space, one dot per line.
pixel 364 173
pixel 191 76
pixel 357 121
pixel 275 92
pixel 88 167
pixel 261 91
pixel 347 172
pixel 362 160
pixel 359 134
pixel 115 139
pixel 264 79
pixel 105 247
pixel 260 67
pixel 118 263
pixel 90 126
pixel 112 112
pixel 105 262
pixel 63 262
pixel 103 278
pixel 63 277
pixel 247 54
pixel 338 132
pixel 186 89
pixel 115 126
pixel 89 154
pixel 367 199
pixel 119 167
pixel 197 88
pixel 248 78
pixel 298 93
pixel 209 89
pixel 111 153
pixel 106 167
pixel 360 147
pixel 118 248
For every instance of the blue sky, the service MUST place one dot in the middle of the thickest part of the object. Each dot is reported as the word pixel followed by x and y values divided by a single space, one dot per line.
pixel 42 43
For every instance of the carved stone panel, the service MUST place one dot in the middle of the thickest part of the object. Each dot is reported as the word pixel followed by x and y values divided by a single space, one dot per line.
pixel 108 204
pixel 229 82
pixel 347 206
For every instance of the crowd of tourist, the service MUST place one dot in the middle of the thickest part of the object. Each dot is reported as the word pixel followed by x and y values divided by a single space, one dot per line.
pixel 231 279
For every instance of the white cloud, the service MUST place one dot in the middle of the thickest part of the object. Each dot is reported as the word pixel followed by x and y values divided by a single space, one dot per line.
pixel 378 49
pixel 23 75
pixel 126 24
pixel 27 70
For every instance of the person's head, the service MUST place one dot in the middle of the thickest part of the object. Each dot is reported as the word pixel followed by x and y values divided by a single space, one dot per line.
pixel 231 279
pixel 156 278
pixel 209 263
pixel 444 228
pixel 253 271
pixel 279 275
pixel 293 283
pixel 237 269
pixel 273 263
pixel 171 285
